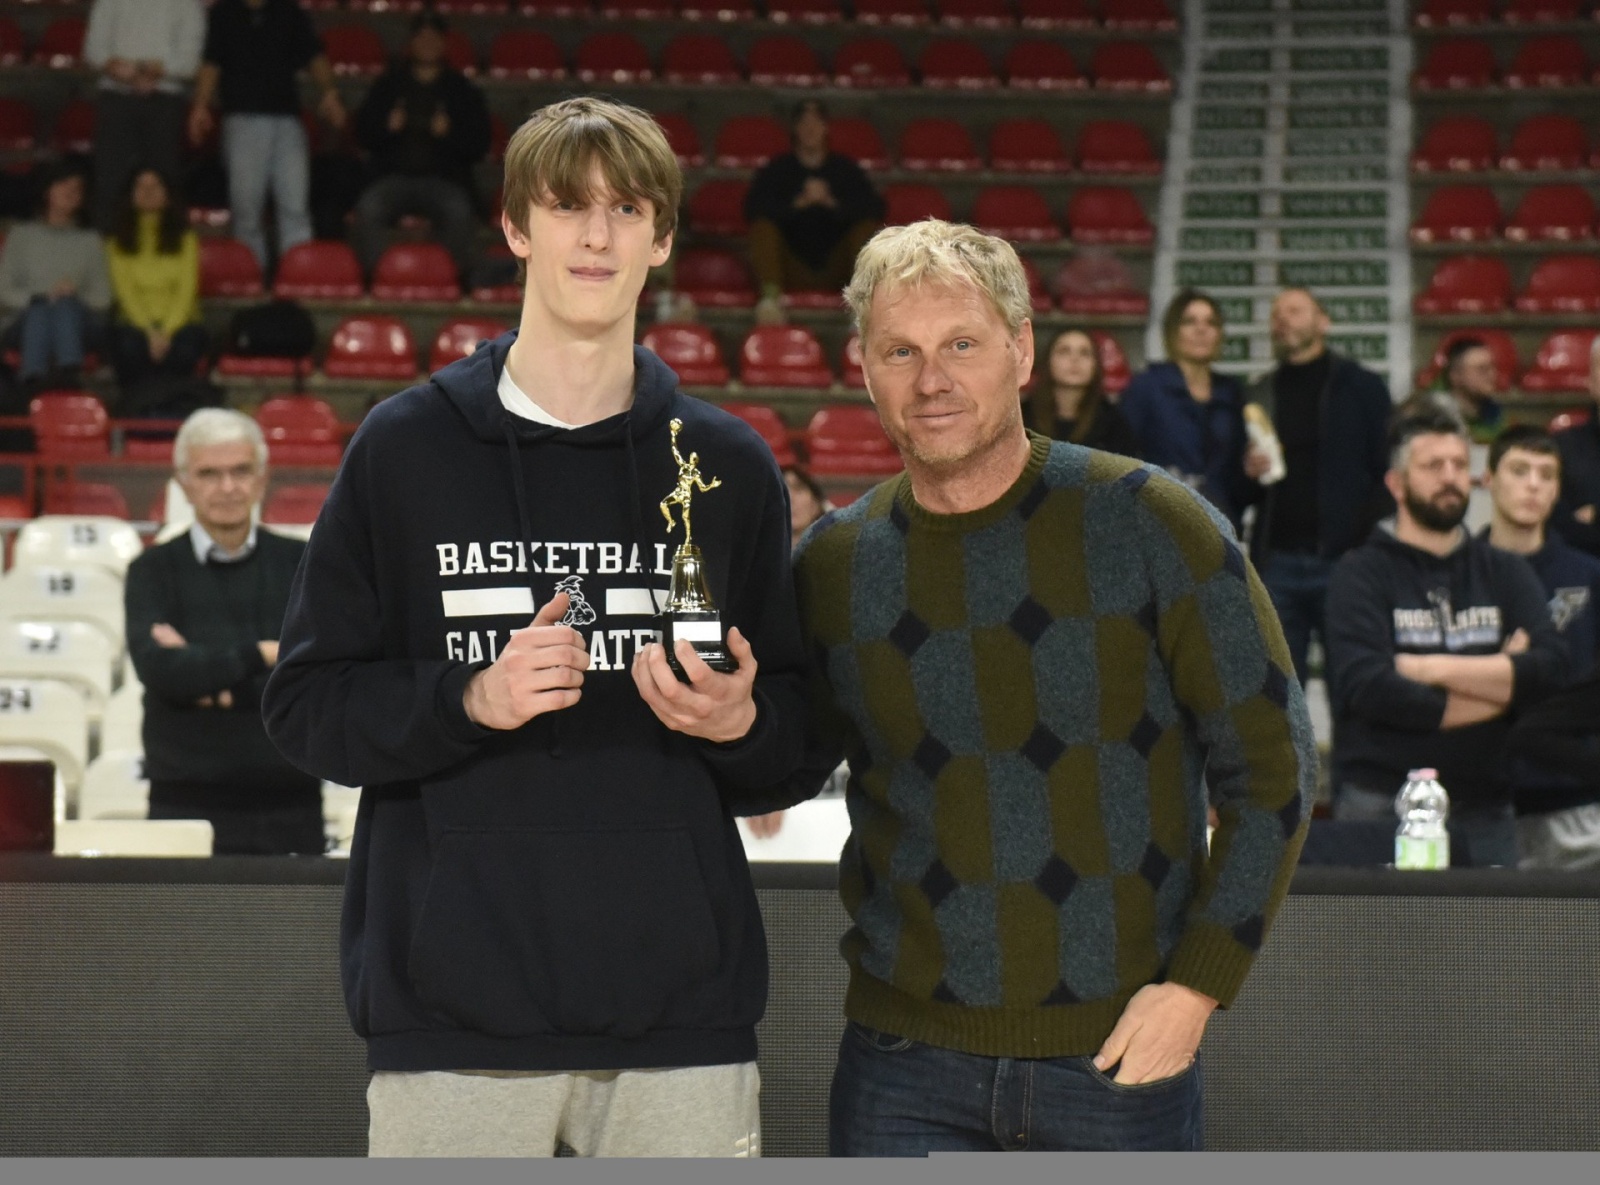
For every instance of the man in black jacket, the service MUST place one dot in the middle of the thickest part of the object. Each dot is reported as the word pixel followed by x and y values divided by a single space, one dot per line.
pixel 1577 515
pixel 1434 637
pixel 810 211
pixel 204 613
pixel 425 126
pixel 550 933
pixel 1331 415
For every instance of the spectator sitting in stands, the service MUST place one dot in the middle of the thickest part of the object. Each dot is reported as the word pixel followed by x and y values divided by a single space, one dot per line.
pixel 1576 513
pixel 1331 415
pixel 155 275
pixel 204 615
pixel 810 211
pixel 53 277
pixel 1187 418
pixel 425 126
pixel 1068 401
pixel 146 52
pixel 1471 379
pixel 1553 754
pixel 253 50
pixel 807 501
pixel 1432 636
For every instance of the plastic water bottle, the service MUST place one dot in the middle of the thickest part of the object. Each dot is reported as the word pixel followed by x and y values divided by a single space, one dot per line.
pixel 1421 841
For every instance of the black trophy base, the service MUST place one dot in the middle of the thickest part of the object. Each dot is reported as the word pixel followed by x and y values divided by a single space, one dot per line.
pixel 703 631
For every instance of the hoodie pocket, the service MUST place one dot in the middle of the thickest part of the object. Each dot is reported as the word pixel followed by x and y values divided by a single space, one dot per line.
pixel 575 931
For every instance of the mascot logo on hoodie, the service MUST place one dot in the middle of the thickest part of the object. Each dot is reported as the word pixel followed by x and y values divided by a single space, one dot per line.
pixel 579 611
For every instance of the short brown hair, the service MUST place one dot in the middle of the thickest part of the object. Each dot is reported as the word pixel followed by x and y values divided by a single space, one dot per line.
pixel 554 152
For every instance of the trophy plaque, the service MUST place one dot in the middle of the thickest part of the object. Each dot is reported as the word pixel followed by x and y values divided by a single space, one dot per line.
pixel 690 614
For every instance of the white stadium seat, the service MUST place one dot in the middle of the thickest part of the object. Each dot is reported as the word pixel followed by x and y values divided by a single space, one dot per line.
pixel 48 718
pixel 115 787
pixel 73 651
pixel 61 540
pixel 123 725
pixel 81 592
pixel 133 837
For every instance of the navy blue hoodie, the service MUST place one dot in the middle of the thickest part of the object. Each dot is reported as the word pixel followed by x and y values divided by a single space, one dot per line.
pixel 572 894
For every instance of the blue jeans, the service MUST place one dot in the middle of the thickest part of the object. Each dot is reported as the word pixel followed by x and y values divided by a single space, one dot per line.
pixel 1298 585
pixel 52 335
pixel 896 1097
pixel 267 152
pixel 1480 836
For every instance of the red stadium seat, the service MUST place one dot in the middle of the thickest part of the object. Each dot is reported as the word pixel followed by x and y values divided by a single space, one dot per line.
pixel 1094 282
pixel 70 426
pixel 749 141
pixel 354 49
pixel 459 337
pixel 804 12
pixel 1043 65
pixel 1562 363
pixel 94 498
pixel 691 350
pixel 717 10
pixel 785 60
pixel 890 12
pixel 699 59
pixel 1116 146
pixel 293 506
pixel 472 7
pixel 613 58
pixel 507 293
pixel 558 9
pixel 1114 369
pixel 12 45
pixel 1056 14
pixel 1456 63
pixel 976 14
pixel 1038 294
pixel 300 430
pixel 1015 212
pixel 783 356
pixel 850 440
pixel 1542 12
pixel 769 424
pixel 829 299
pixel 1557 213
pixel 1549 61
pixel 1576 418
pixel 251 366
pixel 1461 143
pixel 1547 142
pixel 906 204
pixel 851 372
pixel 857 138
pixel 1563 284
pixel 1467 284
pixel 371 348
pixel 1438 14
pixel 525 53
pixel 228 268
pixel 459 52
pixel 19 126
pixel 1497 341
pixel 685 141
pixel 637 10
pixel 717 207
pixel 1108 215
pixel 1459 213
pixel 1129 66
pixel 719 279
pixel 319 270
pixel 75 128
pixel 870 62
pixel 938 145
pixel 1027 146
pixel 956 64
pixel 60 46
pixel 1137 16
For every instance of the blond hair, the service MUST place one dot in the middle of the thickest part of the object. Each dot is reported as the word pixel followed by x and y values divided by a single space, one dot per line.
pixel 554 155
pixel 934 252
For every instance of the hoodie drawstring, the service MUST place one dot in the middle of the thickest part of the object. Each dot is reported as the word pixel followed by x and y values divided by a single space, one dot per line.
pixel 525 519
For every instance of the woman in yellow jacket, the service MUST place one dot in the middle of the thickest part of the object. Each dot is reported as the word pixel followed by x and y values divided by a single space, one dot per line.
pixel 154 260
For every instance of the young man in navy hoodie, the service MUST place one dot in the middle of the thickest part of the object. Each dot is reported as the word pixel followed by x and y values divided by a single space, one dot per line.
pixel 550 934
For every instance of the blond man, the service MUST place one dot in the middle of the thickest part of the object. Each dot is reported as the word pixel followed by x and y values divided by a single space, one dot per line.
pixel 550 935
pixel 1036 657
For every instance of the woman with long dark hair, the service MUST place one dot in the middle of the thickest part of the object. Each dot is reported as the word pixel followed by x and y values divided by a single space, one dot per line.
pixel 1069 401
pixel 155 275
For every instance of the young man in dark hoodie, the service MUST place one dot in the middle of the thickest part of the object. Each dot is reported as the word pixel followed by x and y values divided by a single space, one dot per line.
pixel 1433 636
pixel 1553 753
pixel 550 933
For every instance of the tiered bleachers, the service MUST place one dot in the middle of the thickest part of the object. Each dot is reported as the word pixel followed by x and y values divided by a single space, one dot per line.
pixel 1504 176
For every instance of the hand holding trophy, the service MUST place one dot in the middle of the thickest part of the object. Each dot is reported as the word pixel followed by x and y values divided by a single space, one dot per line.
pixel 690 615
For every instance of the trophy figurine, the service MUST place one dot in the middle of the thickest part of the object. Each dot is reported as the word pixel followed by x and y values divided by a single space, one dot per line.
pixel 689 614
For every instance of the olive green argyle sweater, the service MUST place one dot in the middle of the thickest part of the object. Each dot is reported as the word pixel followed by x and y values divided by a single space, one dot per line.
pixel 1034 699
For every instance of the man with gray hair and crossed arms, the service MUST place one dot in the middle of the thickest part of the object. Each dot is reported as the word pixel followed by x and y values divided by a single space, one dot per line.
pixel 1037 659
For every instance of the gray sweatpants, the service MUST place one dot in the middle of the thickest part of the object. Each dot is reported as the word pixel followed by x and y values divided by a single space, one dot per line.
pixel 688 1111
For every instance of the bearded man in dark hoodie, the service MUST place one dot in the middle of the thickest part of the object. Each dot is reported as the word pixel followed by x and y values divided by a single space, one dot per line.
pixel 550 934
pixel 1435 639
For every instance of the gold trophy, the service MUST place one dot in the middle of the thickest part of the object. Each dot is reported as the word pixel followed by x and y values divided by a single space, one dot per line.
pixel 689 614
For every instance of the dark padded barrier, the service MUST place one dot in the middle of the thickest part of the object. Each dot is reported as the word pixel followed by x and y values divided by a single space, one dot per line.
pixel 154 1007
